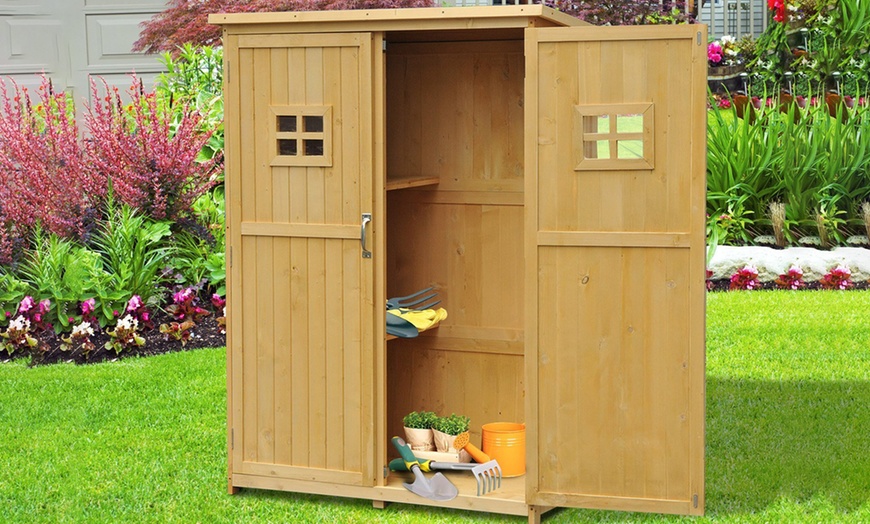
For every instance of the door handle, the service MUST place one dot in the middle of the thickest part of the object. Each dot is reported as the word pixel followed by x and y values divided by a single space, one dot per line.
pixel 366 218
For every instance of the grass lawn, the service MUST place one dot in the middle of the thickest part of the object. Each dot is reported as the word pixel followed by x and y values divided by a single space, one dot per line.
pixel 142 440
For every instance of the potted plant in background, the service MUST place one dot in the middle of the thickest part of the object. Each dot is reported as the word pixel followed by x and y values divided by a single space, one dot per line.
pixel 418 430
pixel 446 429
pixel 724 65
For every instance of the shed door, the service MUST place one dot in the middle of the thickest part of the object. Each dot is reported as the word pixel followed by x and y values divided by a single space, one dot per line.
pixel 615 156
pixel 301 287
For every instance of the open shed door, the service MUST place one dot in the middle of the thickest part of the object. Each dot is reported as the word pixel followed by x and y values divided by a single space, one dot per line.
pixel 615 250
pixel 299 191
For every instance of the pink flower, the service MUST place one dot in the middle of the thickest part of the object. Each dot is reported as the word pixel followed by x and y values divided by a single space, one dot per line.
pixel 724 103
pixel 134 303
pixel 26 304
pixel 745 278
pixel 88 306
pixel 43 306
pixel 791 279
pixel 837 278
pixel 217 301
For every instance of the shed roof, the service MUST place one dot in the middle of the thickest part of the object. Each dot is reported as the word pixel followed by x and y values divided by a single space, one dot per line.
pixel 406 19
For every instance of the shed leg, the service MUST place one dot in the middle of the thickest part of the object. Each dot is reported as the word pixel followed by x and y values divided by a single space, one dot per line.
pixel 379 504
pixel 535 513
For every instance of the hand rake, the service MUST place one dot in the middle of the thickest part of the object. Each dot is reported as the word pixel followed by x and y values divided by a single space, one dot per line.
pixel 487 475
pixel 414 299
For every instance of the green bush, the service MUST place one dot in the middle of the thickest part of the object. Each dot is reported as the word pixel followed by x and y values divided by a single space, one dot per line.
pixel 420 420
pixel 452 425
pixel 807 162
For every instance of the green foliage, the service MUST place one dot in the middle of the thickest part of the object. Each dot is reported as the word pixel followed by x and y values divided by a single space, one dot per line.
pixel 194 80
pixel 62 271
pixel 133 253
pixel 452 425
pixel 199 246
pixel 420 420
pixel 830 51
pixel 12 290
pixel 811 160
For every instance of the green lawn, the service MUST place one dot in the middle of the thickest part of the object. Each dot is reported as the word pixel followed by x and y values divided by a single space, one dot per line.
pixel 142 440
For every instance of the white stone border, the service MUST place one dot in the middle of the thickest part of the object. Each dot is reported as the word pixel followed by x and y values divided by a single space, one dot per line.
pixel 771 263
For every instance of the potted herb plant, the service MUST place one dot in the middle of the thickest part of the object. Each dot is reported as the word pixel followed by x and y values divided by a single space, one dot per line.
pixel 418 430
pixel 445 430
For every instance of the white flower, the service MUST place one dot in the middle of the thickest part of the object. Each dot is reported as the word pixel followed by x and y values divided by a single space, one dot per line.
pixel 128 322
pixel 83 330
pixel 20 324
pixel 728 39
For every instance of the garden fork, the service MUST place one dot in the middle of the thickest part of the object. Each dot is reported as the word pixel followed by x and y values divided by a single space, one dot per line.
pixel 414 299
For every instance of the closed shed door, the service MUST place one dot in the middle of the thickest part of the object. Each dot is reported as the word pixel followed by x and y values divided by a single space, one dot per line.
pixel 300 180
pixel 615 250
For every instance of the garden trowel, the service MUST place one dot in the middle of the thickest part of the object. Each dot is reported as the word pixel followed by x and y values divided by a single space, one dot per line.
pixel 436 488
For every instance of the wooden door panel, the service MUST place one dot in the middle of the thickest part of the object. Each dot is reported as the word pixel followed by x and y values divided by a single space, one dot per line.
pixel 302 356
pixel 615 248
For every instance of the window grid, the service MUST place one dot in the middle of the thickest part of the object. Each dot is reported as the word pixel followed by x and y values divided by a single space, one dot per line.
pixel 301 136
pixel 607 140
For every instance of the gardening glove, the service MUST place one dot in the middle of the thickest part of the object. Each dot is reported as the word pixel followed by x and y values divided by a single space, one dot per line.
pixel 422 319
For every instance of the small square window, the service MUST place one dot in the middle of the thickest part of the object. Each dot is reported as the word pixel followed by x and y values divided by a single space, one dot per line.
pixel 597 123
pixel 630 149
pixel 286 124
pixel 313 147
pixel 313 124
pixel 629 123
pixel 287 147
pixel 302 135
pixel 613 137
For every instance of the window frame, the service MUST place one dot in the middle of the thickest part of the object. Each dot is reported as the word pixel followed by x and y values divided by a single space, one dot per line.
pixel 586 137
pixel 301 135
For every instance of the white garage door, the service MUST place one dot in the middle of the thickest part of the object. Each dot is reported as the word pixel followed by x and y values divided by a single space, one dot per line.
pixel 71 39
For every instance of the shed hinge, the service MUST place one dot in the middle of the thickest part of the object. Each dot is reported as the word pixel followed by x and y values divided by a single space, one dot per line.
pixel 695 500
pixel 384 45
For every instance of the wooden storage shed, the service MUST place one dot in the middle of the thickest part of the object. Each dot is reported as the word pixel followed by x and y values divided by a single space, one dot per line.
pixel 546 176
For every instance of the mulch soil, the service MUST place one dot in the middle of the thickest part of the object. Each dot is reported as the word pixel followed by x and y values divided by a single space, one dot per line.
pixel 724 284
pixel 205 334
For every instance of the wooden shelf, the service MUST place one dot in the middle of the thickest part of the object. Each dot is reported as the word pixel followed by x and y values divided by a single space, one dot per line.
pixel 405 182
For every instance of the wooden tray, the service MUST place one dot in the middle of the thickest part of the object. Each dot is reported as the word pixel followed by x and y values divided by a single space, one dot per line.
pixel 459 456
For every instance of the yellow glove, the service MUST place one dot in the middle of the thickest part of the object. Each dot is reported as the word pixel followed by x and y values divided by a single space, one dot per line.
pixel 422 319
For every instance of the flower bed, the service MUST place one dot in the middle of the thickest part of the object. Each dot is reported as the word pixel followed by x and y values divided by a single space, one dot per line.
pixel 748 268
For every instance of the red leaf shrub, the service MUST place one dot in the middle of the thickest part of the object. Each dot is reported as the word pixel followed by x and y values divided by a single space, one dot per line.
pixel 745 278
pixel 624 12
pixel 45 174
pixel 839 277
pixel 186 21
pixel 149 160
pixel 791 279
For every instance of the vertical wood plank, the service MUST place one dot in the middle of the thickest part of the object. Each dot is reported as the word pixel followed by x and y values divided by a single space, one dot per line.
pixel 265 305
